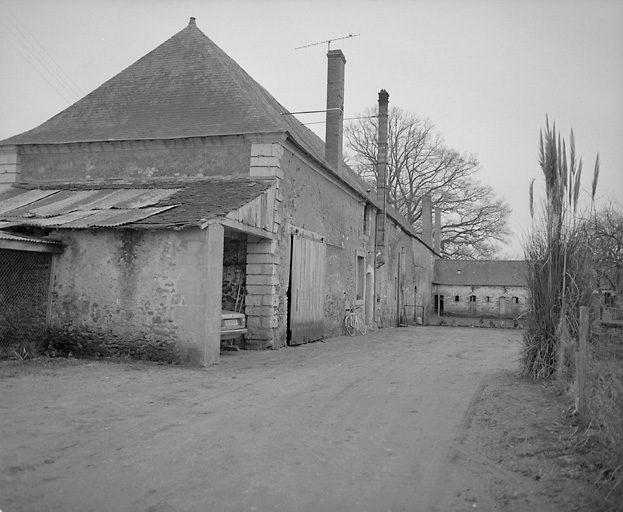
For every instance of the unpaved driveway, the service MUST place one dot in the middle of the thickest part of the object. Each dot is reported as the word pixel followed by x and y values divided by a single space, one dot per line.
pixel 374 423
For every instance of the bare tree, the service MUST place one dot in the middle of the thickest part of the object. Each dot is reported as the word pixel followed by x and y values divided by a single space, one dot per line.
pixel 474 220
pixel 605 234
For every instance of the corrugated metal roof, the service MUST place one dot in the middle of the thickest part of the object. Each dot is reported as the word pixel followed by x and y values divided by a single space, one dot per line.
pixel 65 201
pixel 143 198
pixel 57 220
pixel 5 235
pixel 58 204
pixel 104 204
pixel 114 218
pixel 15 198
pixel 96 218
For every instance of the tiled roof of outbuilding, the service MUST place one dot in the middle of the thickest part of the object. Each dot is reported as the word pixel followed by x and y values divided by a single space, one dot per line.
pixel 480 272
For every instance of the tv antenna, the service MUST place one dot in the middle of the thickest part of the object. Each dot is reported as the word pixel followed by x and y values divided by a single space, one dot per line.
pixel 328 41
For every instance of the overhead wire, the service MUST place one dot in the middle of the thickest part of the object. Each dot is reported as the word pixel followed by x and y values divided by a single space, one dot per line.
pixel 345 119
pixel 38 57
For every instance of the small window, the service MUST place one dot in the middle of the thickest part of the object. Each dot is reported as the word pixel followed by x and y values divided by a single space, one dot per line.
pixel 472 298
pixel 515 300
pixel 487 299
pixel 457 298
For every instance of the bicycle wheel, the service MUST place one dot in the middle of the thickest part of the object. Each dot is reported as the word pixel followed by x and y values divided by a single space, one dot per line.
pixel 350 324
pixel 361 326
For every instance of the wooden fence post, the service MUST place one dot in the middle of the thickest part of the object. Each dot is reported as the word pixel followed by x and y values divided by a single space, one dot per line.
pixel 582 367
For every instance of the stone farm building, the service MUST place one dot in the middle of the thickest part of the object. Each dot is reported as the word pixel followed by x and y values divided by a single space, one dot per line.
pixel 180 187
pixel 480 289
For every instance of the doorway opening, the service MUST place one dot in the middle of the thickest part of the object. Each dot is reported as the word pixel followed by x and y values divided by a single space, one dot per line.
pixel 439 305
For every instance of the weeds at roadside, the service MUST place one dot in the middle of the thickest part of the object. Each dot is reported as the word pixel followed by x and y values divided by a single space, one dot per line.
pixel 606 409
pixel 20 351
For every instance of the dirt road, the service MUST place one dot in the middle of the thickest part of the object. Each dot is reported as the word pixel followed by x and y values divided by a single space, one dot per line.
pixel 367 423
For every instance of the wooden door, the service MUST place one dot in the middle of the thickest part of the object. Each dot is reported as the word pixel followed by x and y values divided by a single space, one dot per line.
pixel 502 307
pixel 307 274
pixel 472 305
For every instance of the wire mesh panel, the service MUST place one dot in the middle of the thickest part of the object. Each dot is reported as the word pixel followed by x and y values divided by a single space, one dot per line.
pixel 24 288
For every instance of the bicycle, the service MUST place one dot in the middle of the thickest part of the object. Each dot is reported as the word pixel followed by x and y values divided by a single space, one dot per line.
pixel 354 322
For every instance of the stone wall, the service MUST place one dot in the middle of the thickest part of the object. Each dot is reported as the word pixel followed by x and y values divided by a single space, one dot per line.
pixel 311 199
pixel 133 293
pixel 403 290
pixel 487 300
pixel 198 157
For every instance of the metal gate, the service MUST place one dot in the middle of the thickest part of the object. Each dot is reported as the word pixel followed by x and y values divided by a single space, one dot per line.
pixel 24 292
pixel 307 274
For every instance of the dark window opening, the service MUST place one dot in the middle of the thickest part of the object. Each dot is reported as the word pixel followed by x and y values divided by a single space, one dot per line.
pixel 360 276
pixel 367 219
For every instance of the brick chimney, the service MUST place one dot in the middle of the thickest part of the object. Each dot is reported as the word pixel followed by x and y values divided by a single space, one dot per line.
pixel 438 230
pixel 381 176
pixel 335 109
pixel 427 220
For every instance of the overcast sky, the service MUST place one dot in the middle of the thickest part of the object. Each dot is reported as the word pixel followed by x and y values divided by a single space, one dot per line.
pixel 486 72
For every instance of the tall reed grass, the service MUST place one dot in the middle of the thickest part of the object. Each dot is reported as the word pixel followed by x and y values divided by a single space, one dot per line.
pixel 560 275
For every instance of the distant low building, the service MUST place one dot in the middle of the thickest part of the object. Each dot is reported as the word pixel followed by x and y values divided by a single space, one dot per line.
pixel 480 289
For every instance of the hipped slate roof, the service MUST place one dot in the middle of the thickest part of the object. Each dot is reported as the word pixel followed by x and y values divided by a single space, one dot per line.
pixel 186 87
pixel 154 204
pixel 480 273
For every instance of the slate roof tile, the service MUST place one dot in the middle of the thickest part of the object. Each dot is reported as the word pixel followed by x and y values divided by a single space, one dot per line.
pixel 480 272
pixel 186 87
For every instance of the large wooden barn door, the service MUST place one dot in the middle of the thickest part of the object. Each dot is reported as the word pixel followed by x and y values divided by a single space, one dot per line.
pixel 307 292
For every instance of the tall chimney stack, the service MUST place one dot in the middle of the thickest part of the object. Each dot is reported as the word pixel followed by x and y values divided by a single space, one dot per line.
pixel 427 220
pixel 381 176
pixel 335 108
pixel 438 230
